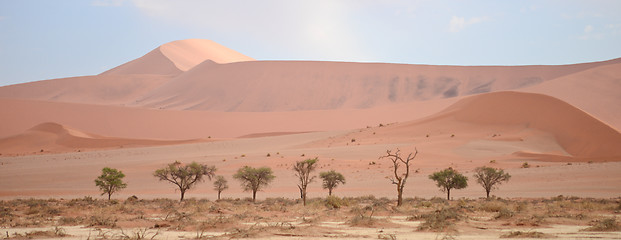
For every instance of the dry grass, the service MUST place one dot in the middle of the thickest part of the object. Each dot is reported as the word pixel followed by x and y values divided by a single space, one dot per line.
pixel 238 218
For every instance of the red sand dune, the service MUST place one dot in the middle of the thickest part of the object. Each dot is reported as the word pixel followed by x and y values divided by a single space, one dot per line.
pixel 175 57
pixel 596 91
pixel 55 138
pixel 100 89
pixel 294 86
pixel 533 125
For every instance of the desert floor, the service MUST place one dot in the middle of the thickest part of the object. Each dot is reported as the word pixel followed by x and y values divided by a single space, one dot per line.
pixel 323 218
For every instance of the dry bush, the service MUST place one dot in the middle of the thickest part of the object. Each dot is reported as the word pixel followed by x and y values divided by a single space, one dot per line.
pixel 333 202
pixel 440 220
pixel 529 234
pixel 102 219
pixel 604 225
pixel 360 218
pixel 53 233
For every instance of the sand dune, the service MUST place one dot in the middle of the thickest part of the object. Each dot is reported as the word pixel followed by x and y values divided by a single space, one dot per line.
pixel 100 90
pixel 202 75
pixel 175 57
pixel 347 114
pixel 17 115
pixel 596 91
pixel 527 124
pixel 55 138
pixel 292 86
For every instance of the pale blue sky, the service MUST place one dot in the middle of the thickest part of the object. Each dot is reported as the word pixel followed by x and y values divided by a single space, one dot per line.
pixel 53 39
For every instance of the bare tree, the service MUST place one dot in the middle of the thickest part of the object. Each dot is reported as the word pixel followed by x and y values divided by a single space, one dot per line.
pixel 303 170
pixel 220 185
pixel 185 176
pixel 489 177
pixel 400 177
pixel 331 179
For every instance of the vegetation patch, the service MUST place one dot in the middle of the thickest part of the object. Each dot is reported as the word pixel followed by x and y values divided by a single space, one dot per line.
pixel 528 234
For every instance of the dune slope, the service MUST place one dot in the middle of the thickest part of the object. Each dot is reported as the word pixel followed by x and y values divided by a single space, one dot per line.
pixel 516 122
pixel 263 86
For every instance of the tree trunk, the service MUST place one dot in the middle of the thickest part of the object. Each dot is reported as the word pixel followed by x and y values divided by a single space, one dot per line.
pixel 487 191
pixel 182 195
pixel 254 195
pixel 109 195
pixel 219 194
pixel 304 198
pixel 329 191
pixel 448 194
pixel 399 196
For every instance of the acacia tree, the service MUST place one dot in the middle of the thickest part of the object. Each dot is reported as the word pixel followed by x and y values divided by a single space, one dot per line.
pixel 331 180
pixel 490 177
pixel 303 170
pixel 400 178
pixel 110 181
pixel 220 185
pixel 448 179
pixel 254 179
pixel 185 176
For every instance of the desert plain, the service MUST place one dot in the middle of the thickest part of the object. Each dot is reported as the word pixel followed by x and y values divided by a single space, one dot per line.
pixel 555 129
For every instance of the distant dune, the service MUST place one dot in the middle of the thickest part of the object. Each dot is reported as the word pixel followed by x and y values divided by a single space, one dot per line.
pixel 179 56
pixel 55 138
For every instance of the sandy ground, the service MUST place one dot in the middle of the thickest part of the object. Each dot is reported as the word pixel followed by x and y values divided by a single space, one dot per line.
pixel 73 173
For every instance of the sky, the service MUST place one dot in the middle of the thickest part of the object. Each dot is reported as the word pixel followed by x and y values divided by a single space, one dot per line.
pixel 41 39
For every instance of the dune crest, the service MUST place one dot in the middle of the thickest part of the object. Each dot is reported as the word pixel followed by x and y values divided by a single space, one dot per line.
pixel 188 53
pixel 176 57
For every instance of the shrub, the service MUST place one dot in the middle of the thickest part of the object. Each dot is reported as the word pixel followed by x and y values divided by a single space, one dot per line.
pixel 604 225
pixel 335 202
pixel 504 213
pixel 525 165
pixel 439 220
pixel 520 234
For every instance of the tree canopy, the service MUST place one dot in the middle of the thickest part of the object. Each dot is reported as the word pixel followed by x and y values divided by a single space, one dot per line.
pixel 331 180
pixel 448 179
pixel 185 176
pixel 489 177
pixel 110 181
pixel 254 179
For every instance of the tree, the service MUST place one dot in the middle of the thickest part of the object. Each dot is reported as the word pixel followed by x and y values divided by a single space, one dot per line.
pixel 110 181
pixel 331 179
pixel 220 185
pixel 254 179
pixel 400 178
pixel 490 177
pixel 185 176
pixel 303 170
pixel 448 179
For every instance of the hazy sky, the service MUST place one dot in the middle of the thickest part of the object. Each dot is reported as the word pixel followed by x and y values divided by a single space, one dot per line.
pixel 53 39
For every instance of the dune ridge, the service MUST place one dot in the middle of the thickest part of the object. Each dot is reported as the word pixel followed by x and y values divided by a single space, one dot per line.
pixel 178 56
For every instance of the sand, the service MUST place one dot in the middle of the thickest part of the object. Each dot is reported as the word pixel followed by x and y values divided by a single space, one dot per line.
pixel 196 100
